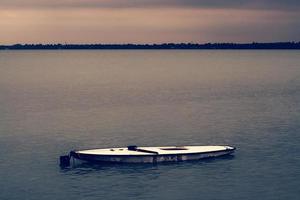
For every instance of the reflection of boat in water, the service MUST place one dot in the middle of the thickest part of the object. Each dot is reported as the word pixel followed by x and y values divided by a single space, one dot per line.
pixel 134 154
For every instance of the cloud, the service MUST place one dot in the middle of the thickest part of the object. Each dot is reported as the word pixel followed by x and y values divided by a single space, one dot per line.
pixel 237 4
pixel 147 21
pixel 147 26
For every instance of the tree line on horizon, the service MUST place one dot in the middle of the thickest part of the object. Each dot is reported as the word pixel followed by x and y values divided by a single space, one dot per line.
pixel 253 45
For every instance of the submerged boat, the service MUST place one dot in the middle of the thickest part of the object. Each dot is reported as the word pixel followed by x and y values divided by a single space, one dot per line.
pixel 135 154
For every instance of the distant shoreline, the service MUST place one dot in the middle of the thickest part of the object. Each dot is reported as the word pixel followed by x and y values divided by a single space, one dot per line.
pixel 164 46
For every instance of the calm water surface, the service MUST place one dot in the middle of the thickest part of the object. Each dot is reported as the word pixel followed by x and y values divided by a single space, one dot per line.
pixel 54 101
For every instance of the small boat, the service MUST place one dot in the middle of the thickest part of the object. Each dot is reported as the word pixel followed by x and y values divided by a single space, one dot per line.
pixel 135 154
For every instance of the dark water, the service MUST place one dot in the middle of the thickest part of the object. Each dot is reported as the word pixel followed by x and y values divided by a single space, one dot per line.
pixel 54 101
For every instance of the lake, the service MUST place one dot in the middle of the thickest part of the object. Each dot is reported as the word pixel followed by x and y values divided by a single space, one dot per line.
pixel 52 102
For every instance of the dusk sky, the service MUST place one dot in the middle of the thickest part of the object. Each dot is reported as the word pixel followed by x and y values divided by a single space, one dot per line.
pixel 148 21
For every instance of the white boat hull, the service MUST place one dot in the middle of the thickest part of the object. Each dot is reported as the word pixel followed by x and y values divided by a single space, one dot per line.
pixel 148 155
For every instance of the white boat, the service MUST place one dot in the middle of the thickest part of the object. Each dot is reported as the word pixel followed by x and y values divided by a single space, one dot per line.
pixel 134 154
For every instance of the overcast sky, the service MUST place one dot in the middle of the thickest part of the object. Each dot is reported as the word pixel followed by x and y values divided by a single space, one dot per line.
pixel 148 21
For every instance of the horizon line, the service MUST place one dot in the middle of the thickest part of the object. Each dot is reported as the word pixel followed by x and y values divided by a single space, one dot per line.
pixel 150 43
pixel 190 45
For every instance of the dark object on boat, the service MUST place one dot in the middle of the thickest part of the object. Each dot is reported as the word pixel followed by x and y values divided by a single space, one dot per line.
pixel 64 161
pixel 135 148
pixel 132 148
